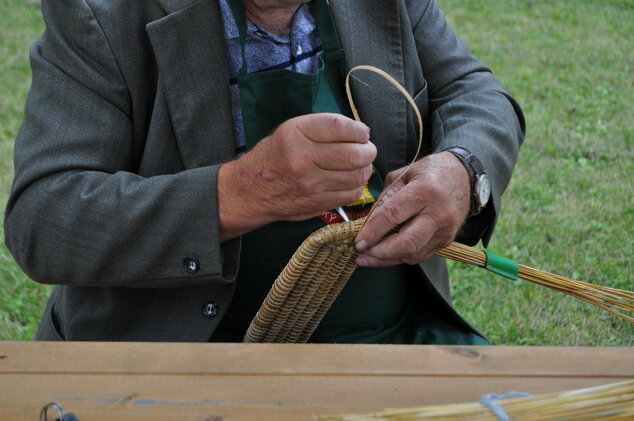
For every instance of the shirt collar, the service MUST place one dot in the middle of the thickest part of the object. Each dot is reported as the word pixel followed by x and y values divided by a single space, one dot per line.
pixel 302 24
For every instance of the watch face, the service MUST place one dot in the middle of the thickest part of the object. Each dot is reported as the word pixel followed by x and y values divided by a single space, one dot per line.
pixel 484 189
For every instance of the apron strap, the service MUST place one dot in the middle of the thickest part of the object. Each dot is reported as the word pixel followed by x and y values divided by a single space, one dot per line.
pixel 326 26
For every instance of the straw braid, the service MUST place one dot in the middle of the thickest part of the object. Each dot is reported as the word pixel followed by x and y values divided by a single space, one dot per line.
pixel 307 286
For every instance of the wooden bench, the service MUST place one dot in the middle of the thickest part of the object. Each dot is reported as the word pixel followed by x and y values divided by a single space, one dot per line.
pixel 248 382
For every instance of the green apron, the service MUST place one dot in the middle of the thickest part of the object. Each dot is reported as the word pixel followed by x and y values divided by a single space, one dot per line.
pixel 378 305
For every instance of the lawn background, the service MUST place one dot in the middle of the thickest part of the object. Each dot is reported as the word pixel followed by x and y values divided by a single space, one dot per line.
pixel 570 206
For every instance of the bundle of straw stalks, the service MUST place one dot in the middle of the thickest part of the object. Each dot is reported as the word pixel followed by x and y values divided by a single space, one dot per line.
pixel 609 402
pixel 616 301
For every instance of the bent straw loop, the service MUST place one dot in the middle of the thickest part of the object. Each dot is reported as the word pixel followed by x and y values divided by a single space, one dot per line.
pixel 411 101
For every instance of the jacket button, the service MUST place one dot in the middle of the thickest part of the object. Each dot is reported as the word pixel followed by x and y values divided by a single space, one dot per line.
pixel 210 309
pixel 191 265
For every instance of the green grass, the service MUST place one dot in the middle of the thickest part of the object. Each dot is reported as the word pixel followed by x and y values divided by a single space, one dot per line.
pixel 21 300
pixel 569 209
pixel 570 206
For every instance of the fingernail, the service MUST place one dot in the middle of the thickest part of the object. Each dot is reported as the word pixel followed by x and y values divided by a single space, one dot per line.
pixel 361 245
pixel 361 262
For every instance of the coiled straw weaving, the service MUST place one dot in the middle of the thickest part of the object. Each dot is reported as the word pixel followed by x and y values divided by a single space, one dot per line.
pixel 307 286
pixel 322 265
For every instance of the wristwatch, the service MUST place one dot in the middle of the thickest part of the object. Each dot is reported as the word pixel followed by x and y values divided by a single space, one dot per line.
pixel 480 185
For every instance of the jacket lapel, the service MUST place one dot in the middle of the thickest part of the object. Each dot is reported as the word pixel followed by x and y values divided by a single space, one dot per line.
pixel 189 47
pixel 376 40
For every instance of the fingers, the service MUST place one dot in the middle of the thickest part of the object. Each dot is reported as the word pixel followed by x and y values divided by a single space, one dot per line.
pixel 344 155
pixel 326 141
pixel 327 127
pixel 307 165
pixel 346 180
pixel 428 203
pixel 416 241
pixel 394 175
pixel 396 207
pixel 322 203
pixel 332 182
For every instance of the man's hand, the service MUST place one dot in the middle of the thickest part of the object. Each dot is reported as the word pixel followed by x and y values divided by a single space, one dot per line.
pixel 310 164
pixel 431 201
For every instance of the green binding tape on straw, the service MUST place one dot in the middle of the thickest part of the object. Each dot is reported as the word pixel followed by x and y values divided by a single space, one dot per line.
pixel 502 266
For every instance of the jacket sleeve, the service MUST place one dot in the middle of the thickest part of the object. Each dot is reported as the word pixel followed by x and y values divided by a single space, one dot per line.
pixel 468 108
pixel 78 213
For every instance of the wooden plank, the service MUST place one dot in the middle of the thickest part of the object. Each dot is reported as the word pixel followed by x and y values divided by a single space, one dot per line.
pixel 208 359
pixel 240 382
pixel 245 398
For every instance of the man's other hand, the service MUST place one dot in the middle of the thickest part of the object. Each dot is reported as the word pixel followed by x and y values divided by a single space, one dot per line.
pixel 310 164
pixel 430 204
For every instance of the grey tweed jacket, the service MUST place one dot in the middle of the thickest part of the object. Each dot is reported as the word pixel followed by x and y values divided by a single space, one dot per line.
pixel 129 118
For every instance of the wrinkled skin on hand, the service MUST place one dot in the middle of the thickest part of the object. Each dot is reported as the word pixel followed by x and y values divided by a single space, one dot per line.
pixel 310 164
pixel 431 202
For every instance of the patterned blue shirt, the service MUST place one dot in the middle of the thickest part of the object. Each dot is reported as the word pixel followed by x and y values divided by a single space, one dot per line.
pixel 266 51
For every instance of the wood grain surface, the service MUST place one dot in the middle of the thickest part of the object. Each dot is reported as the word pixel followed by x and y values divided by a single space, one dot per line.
pixel 248 382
